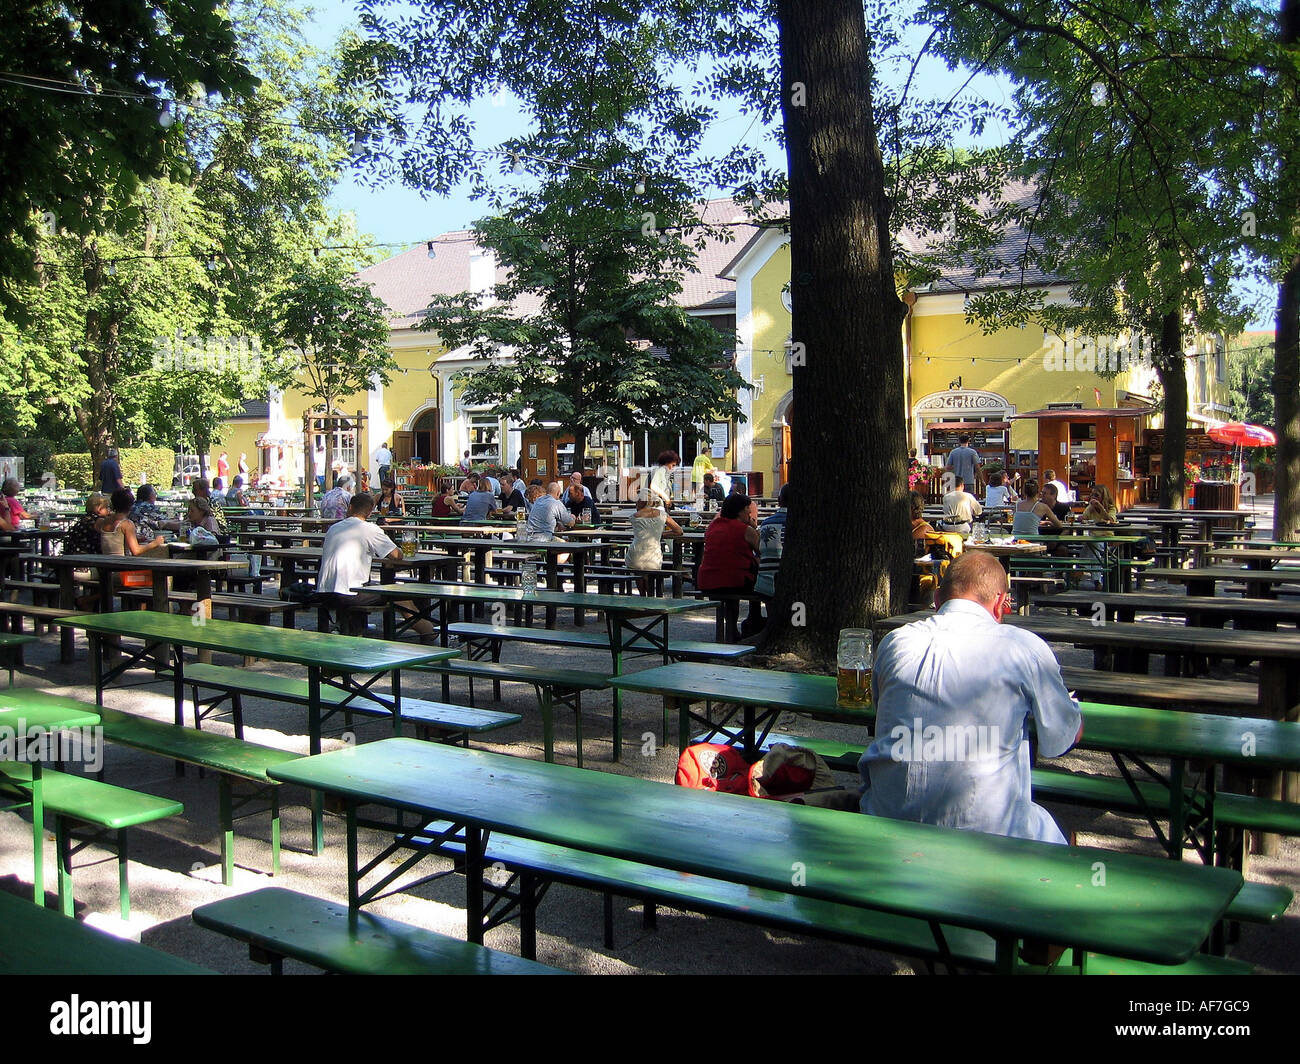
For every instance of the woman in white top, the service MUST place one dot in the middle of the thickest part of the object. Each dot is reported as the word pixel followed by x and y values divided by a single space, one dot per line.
pixel 1031 514
pixel 661 484
pixel 649 525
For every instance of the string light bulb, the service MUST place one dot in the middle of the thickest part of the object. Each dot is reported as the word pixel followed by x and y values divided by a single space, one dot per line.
pixel 516 167
pixel 639 187
pixel 429 245
pixel 165 116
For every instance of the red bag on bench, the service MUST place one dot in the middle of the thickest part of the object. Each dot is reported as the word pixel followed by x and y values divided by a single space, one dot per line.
pixel 713 767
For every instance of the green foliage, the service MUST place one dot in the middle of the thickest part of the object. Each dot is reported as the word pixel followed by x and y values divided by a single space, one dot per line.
pixel 332 334
pixel 146 326
pixel 75 471
pixel 38 453
pixel 1250 374
pixel 155 464
pixel 79 157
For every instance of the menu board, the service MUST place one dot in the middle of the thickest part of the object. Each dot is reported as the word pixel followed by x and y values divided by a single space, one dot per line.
pixel 947 439
pixel 719 438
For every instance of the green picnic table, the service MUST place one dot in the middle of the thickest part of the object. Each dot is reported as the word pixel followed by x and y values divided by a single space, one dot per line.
pixel 1110 549
pixel 1011 889
pixel 1130 734
pixel 330 660
pixel 27 723
pixel 1260 583
pixel 634 623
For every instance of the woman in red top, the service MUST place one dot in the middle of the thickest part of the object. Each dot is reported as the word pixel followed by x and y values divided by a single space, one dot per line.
pixel 730 563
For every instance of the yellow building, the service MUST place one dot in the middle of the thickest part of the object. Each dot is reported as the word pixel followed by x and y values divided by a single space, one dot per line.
pixel 954 372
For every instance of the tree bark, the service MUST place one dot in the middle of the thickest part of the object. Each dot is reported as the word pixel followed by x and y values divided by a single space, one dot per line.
pixel 1286 352
pixel 1171 367
pixel 848 568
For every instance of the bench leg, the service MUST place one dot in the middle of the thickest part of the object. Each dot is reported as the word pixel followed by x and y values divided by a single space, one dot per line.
pixel 123 885
pixel 528 916
pixel 275 831
pixel 63 850
pixel 227 831
pixel 607 906
pixel 545 700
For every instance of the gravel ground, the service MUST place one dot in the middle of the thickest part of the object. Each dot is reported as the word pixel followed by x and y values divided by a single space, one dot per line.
pixel 175 863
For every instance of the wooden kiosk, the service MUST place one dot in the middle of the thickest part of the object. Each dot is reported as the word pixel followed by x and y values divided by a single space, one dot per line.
pixel 1087 447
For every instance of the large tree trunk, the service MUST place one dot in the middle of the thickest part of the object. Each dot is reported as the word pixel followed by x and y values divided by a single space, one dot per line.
pixel 846 568
pixel 1286 353
pixel 1171 367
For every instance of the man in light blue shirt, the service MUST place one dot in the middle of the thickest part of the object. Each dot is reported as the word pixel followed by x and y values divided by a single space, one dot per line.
pixel 548 514
pixel 954 695
pixel 480 505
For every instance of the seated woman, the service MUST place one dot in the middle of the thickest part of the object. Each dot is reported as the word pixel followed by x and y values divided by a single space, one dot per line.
pixel 1101 508
pixel 390 509
pixel 118 523
pixel 1031 515
pixel 445 504
pixel 11 507
pixel 999 493
pixel 83 536
pixel 730 564
pixel 649 525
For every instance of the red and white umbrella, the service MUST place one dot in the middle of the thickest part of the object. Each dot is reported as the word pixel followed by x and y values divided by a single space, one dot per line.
pixel 1239 434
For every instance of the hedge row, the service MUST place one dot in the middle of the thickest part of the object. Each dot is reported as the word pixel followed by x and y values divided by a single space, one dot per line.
pixel 147 465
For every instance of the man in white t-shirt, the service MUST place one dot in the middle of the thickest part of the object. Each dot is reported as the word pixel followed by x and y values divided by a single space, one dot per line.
pixel 1063 493
pixel 960 508
pixel 347 551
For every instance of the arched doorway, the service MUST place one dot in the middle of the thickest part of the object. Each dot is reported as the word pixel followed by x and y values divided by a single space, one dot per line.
pixel 782 435
pixel 425 435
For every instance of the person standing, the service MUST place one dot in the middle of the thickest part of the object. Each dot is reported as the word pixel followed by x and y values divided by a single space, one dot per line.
pixel 964 463
pixel 465 464
pixel 223 468
pixel 384 460
pixel 243 465
pixel 110 474
pixel 646 553
pixel 661 481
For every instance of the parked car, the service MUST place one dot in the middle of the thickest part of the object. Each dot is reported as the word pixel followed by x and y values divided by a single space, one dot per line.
pixel 186 470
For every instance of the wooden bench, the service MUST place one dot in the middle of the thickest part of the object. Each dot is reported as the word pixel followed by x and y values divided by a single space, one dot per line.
pixel 545 862
pixel 445 722
pixel 12 644
pixel 108 811
pixel 564 686
pixel 279 923
pixel 16 611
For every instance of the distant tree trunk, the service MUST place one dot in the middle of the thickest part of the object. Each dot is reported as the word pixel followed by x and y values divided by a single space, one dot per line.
pixel 1171 367
pixel 1286 354
pixel 580 435
pixel 847 569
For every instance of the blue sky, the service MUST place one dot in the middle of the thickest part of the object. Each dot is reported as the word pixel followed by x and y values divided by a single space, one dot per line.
pixel 397 214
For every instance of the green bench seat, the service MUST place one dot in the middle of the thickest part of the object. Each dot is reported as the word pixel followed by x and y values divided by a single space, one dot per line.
pixel 553 685
pixel 1140 689
pixel 107 809
pixel 449 723
pixel 843 923
pixel 241 769
pixel 279 923
pixel 16 611
pixel 37 941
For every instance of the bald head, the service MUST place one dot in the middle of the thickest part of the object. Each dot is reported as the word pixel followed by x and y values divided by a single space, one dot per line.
pixel 553 489
pixel 976 576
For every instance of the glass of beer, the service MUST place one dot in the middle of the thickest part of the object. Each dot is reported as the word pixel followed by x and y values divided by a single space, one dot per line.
pixel 409 544
pixel 853 667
